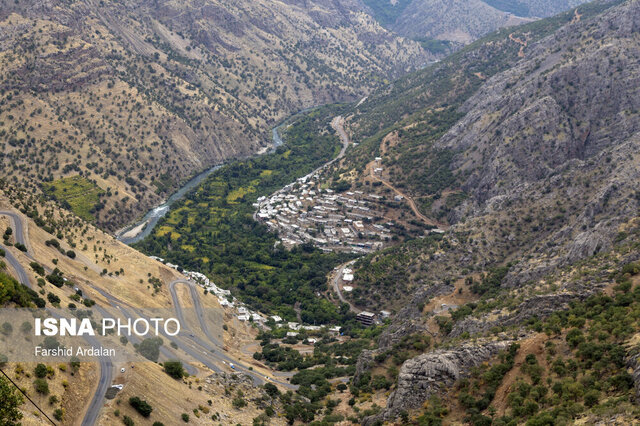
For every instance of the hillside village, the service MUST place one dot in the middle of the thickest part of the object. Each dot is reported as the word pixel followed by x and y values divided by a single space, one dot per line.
pixel 242 312
pixel 353 221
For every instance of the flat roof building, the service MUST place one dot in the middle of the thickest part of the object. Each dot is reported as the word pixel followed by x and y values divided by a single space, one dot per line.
pixel 366 318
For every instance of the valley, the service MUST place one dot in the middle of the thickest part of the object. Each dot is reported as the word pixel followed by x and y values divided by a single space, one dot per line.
pixel 357 212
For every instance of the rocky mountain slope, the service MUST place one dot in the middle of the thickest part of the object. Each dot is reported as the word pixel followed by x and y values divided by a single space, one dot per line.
pixel 533 165
pixel 136 96
pixel 460 21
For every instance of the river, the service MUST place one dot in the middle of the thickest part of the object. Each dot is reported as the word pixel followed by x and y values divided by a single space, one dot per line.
pixel 142 228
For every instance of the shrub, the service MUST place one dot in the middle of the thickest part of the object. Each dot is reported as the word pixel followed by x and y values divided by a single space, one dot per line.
pixel 271 390
pixel 38 268
pixel 128 421
pixel 185 417
pixel 41 386
pixel 58 414
pixel 591 398
pixel 174 369
pixel 40 371
pixel 150 348
pixel 141 406
pixel 52 298
pixel 238 402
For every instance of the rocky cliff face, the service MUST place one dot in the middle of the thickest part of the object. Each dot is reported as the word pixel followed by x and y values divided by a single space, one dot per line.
pixel 566 114
pixel 457 21
pixel 432 373
pixel 462 21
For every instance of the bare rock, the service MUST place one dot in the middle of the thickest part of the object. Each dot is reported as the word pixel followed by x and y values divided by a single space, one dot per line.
pixel 432 373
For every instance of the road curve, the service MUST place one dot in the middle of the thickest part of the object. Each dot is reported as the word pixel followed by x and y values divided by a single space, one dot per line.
pixel 336 285
pixel 106 365
pixel 219 353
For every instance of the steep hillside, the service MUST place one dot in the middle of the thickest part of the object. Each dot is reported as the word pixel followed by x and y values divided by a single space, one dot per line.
pixel 136 96
pixel 440 25
pixel 534 167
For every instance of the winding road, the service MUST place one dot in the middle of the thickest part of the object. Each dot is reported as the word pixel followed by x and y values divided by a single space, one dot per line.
pixel 336 286
pixel 217 353
pixel 207 353
pixel 106 365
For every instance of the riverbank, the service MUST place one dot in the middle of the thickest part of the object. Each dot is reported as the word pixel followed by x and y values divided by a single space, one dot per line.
pixel 214 232
pixel 140 229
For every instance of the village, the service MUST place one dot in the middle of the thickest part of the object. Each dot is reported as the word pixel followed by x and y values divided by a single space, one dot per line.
pixel 244 314
pixel 304 212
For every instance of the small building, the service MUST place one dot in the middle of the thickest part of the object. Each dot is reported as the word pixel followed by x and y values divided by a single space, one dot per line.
pixel 276 318
pixel 385 314
pixel 293 325
pixel 243 317
pixel 292 333
pixel 312 341
pixel 347 277
pixel 347 289
pixel 366 318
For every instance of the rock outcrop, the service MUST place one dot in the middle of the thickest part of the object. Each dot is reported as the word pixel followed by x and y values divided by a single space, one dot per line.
pixel 633 363
pixel 432 373
pixel 538 306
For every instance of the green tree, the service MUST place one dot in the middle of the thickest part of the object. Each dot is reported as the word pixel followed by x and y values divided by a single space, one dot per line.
pixel 40 371
pixel 10 400
pixel 41 386
pixel 150 348
pixel 141 406
pixel 174 369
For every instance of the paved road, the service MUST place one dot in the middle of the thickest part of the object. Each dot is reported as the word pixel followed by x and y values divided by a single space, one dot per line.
pixel 218 351
pixel 106 365
pixel 336 285
pixel 208 353
pixel 19 236
pixel 18 228
pixel 16 266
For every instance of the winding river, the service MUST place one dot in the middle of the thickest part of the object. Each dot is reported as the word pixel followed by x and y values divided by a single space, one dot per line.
pixel 141 229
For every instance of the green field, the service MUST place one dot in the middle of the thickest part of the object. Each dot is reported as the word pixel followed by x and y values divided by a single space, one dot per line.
pixel 76 193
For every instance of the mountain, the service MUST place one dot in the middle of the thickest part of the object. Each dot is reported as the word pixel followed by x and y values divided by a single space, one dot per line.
pixel 439 23
pixel 137 96
pixel 523 145
pixel 513 154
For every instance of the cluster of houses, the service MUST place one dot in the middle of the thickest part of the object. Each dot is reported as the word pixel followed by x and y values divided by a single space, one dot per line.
pixel 224 296
pixel 242 312
pixel 305 212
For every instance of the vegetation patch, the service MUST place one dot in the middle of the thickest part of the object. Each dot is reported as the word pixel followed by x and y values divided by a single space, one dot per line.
pixel 78 194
